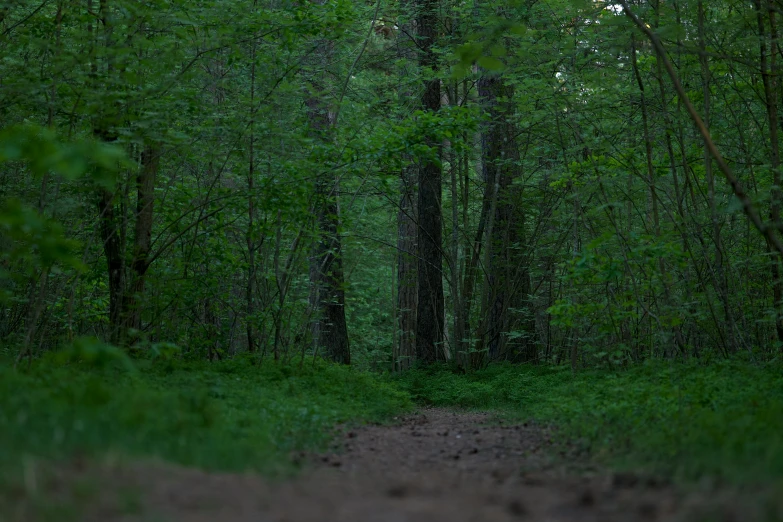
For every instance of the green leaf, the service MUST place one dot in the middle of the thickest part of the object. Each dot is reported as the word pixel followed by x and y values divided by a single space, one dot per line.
pixel 490 63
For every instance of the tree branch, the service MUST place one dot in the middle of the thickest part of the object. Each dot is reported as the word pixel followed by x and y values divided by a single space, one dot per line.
pixel 747 205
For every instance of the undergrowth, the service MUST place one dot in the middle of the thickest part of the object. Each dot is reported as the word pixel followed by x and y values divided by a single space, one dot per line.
pixel 232 415
pixel 685 420
pixel 723 420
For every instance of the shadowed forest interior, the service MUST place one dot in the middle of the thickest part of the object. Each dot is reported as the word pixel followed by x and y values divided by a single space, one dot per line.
pixel 463 201
pixel 393 182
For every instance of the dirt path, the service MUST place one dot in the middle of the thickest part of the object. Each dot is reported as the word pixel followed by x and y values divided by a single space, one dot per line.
pixel 433 466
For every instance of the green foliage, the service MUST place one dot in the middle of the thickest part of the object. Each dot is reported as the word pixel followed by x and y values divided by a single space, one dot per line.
pixel 43 153
pixel 29 240
pixel 686 420
pixel 90 352
pixel 231 415
pixel 33 239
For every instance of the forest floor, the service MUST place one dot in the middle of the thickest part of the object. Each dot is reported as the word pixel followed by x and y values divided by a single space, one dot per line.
pixel 434 465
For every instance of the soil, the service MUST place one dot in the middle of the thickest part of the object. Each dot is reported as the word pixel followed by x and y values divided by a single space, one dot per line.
pixel 435 466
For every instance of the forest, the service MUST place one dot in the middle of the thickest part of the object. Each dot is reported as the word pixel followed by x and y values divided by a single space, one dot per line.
pixel 227 227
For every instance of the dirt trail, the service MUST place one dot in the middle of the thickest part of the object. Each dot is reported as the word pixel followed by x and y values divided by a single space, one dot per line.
pixel 433 466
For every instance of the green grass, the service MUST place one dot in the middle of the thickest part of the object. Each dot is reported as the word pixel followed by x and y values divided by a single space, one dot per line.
pixel 686 421
pixel 230 415
pixel 724 420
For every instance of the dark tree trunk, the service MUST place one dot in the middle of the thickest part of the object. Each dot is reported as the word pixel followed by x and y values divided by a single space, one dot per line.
pixel 721 263
pixel 250 289
pixel 508 271
pixel 407 247
pixel 115 262
pixel 126 288
pixel 769 77
pixel 330 331
pixel 145 186
pixel 109 223
pixel 327 294
pixel 430 306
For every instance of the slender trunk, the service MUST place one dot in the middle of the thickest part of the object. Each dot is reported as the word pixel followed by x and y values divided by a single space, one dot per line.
pixel 721 282
pixel 679 219
pixel 251 214
pixel 576 247
pixel 280 280
pixel 110 224
pixel 406 269
pixel 458 337
pixel 145 186
pixel 407 213
pixel 769 78
pixel 115 262
pixel 491 195
pixel 653 189
pixel 490 88
pixel 474 268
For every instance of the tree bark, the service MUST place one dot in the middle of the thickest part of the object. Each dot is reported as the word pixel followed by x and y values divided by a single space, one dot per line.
pixel 115 262
pixel 407 235
pixel 327 295
pixel 407 291
pixel 679 341
pixel 721 282
pixel 769 78
pixel 329 329
pixel 250 289
pixel 430 307
pixel 508 276
pixel 145 187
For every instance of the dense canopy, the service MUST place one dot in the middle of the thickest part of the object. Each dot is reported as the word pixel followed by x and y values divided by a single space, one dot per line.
pixel 385 182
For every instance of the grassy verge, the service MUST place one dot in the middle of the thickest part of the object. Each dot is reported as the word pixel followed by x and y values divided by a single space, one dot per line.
pixel 231 415
pixel 687 421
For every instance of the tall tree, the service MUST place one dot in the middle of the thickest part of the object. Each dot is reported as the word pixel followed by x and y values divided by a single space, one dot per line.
pixel 430 306
pixel 407 232
pixel 508 275
pixel 126 276
pixel 768 53
pixel 327 296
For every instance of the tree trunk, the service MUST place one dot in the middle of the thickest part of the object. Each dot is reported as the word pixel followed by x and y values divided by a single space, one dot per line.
pixel 430 306
pixel 327 295
pixel 721 283
pixel 407 247
pixel 250 289
pixel 145 186
pixel 406 270
pixel 508 274
pixel 115 262
pixel 769 77
pixel 329 330
pixel 458 338
pixel 679 341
